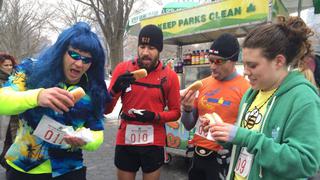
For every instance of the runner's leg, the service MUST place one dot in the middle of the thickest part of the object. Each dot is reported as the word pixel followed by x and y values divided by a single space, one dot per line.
pixel 127 162
pixel 125 175
pixel 155 175
pixel 152 158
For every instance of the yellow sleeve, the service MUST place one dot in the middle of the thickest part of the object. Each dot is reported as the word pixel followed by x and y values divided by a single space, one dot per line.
pixel 96 143
pixel 15 102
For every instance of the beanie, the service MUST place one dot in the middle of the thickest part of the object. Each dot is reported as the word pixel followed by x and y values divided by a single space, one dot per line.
pixel 151 35
pixel 226 46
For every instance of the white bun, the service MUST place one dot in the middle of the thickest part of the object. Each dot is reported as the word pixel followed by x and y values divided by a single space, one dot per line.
pixel 140 73
pixel 195 86
pixel 77 93
pixel 213 118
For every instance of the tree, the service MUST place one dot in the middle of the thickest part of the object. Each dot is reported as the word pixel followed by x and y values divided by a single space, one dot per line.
pixel 1 2
pixel 112 17
pixel 67 13
pixel 21 28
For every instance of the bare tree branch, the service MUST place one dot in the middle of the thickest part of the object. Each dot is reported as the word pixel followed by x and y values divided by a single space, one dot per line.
pixel 67 13
pixel 21 32
pixel 112 17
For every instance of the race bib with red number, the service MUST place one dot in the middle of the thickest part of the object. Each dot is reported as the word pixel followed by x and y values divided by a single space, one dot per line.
pixel 139 134
pixel 244 163
pixel 199 131
pixel 51 131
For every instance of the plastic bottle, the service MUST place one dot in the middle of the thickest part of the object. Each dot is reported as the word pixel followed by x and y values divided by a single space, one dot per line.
pixel 201 57
pixel 184 58
pixel 193 60
pixel 206 56
pixel 198 57
pixel 179 66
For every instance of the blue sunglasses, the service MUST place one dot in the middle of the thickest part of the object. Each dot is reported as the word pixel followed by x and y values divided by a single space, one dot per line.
pixel 76 56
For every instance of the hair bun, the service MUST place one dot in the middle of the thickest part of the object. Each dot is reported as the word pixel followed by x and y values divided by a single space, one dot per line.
pixel 295 28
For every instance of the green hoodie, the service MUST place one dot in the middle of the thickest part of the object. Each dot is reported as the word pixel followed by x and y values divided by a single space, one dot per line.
pixel 289 145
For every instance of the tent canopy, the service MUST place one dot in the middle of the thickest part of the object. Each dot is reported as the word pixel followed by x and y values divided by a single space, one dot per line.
pixel 175 6
pixel 292 5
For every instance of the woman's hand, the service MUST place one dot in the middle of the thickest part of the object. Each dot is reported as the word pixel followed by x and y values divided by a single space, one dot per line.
pixel 222 131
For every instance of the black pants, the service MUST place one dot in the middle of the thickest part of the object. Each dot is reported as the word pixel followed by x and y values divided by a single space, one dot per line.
pixel 211 167
pixel 10 136
pixel 13 174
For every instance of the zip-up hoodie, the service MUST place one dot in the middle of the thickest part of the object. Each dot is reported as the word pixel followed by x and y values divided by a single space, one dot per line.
pixel 287 146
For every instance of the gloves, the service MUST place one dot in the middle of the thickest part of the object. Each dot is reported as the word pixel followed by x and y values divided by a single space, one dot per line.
pixel 144 115
pixel 123 82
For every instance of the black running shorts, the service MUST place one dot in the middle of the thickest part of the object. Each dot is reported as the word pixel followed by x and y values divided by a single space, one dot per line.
pixel 131 158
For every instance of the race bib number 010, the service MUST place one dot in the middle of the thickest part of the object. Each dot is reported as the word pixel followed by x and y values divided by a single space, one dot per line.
pixel 51 131
pixel 139 134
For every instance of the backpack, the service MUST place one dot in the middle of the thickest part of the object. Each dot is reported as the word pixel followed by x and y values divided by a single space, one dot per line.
pixel 163 81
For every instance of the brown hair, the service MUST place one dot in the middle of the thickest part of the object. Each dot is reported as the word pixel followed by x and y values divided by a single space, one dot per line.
pixel 4 56
pixel 288 37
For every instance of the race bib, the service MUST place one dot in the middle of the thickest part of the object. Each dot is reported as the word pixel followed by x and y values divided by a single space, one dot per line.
pixel 199 131
pixel 244 163
pixel 139 134
pixel 51 131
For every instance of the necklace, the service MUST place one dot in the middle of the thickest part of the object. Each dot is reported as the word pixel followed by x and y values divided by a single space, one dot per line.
pixel 267 99
pixel 254 117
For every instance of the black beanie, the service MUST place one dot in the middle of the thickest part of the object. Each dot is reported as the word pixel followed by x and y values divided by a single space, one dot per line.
pixel 151 35
pixel 226 46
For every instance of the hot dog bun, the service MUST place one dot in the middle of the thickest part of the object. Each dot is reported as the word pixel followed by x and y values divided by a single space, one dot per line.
pixel 140 73
pixel 195 86
pixel 217 118
pixel 213 118
pixel 77 93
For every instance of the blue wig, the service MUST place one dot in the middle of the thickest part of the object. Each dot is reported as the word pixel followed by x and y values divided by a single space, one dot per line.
pixel 47 71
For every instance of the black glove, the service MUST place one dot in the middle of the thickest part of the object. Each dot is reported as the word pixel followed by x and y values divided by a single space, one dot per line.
pixel 123 82
pixel 145 116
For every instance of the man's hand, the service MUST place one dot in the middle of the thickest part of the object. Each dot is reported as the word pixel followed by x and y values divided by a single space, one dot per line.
pixel 123 82
pixel 144 115
pixel 55 98
pixel 187 99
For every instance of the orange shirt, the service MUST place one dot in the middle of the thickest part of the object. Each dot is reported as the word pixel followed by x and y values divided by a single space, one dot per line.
pixel 221 97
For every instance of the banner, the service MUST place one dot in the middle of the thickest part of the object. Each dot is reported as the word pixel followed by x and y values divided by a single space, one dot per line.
pixel 210 16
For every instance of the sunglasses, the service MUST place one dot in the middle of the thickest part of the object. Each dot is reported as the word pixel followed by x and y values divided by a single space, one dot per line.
pixel 218 61
pixel 76 56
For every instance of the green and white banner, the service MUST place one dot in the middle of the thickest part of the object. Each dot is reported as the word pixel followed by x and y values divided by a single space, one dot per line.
pixel 210 16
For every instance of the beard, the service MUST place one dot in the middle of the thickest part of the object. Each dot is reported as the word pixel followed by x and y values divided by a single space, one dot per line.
pixel 150 66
